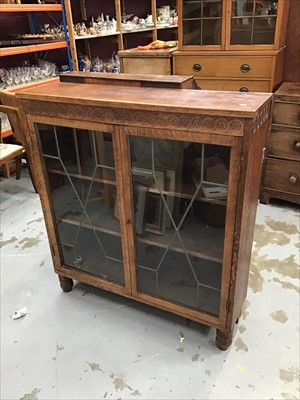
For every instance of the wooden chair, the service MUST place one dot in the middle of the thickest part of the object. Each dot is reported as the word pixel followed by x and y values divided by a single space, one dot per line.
pixel 17 150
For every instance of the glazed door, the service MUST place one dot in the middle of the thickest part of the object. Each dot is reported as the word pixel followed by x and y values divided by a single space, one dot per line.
pixel 184 197
pixel 201 23
pixel 81 179
pixel 253 22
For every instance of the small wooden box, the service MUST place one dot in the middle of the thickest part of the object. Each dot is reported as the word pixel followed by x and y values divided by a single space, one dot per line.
pixel 154 62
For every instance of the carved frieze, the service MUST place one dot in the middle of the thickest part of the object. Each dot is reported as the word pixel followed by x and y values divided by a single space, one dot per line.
pixel 261 118
pixel 144 118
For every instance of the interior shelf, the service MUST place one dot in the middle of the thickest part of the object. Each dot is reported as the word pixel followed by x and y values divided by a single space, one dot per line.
pixel 166 27
pixel 83 177
pixel 104 230
pixel 195 233
pixel 139 30
pixel 187 193
pixel 96 36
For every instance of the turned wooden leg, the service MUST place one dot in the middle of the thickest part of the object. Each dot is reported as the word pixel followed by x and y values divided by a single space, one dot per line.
pixel 223 339
pixel 65 283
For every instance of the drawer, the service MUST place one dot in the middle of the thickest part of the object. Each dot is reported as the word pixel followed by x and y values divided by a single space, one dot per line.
pixel 235 85
pixel 286 113
pixel 224 66
pixel 284 142
pixel 282 175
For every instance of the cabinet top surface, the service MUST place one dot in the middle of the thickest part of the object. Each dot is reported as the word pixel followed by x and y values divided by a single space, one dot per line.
pixel 127 77
pixel 154 99
pixel 289 89
pixel 147 53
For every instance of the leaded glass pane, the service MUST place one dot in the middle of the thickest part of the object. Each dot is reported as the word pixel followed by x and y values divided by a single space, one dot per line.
pixel 253 21
pixel 202 22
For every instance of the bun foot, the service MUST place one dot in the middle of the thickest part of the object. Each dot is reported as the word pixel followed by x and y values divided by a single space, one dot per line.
pixel 264 197
pixel 65 283
pixel 238 318
pixel 223 339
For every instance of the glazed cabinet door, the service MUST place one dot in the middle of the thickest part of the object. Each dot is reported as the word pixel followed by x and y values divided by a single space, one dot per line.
pixel 232 24
pixel 201 23
pixel 183 194
pixel 253 22
pixel 80 170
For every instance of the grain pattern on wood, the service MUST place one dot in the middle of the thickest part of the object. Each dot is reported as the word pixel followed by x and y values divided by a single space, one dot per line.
pixel 251 167
pixel 121 79
pixel 201 102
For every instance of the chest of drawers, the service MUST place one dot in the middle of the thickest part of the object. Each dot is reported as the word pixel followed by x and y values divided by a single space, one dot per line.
pixel 281 172
pixel 238 71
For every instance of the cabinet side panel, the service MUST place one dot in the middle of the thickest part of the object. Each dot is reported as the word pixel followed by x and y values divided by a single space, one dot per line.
pixel 278 69
pixel 292 58
pixel 251 167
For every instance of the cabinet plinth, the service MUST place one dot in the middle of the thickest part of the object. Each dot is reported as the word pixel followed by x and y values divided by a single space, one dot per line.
pixel 151 193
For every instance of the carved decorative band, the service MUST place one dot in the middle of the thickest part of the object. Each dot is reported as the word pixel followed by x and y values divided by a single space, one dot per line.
pixel 261 118
pixel 152 119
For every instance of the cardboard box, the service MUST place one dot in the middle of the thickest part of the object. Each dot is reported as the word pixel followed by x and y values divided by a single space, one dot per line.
pixel 215 170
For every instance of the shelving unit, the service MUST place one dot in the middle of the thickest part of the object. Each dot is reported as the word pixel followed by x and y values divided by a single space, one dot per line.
pixel 34 48
pixel 16 8
pixel 6 53
pixel 103 45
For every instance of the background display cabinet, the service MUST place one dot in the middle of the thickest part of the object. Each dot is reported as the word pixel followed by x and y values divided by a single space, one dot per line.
pixel 155 202
pixel 232 44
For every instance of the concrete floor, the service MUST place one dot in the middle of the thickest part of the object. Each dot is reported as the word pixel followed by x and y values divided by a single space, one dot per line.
pixel 89 344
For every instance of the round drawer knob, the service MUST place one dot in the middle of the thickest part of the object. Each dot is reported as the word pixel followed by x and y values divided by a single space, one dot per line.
pixel 293 178
pixel 297 146
pixel 197 67
pixel 245 68
pixel 244 89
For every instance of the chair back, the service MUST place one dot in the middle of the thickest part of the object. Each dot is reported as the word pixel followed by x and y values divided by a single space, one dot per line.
pixel 11 106
pixel 14 120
